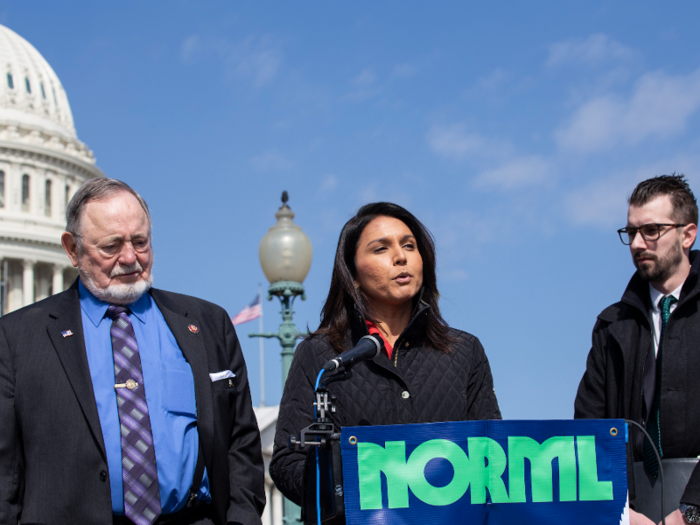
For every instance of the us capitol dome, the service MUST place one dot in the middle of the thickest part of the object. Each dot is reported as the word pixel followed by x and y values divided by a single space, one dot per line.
pixel 42 163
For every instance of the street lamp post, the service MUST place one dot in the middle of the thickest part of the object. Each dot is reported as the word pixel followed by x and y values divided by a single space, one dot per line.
pixel 285 257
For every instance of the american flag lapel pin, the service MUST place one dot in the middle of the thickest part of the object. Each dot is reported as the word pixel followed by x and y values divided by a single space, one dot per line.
pixel 67 333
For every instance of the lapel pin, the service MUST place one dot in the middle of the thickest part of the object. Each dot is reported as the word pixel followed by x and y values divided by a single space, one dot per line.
pixel 192 328
pixel 67 333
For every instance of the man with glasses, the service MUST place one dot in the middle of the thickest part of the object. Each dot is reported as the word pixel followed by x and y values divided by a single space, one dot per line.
pixel 120 403
pixel 645 361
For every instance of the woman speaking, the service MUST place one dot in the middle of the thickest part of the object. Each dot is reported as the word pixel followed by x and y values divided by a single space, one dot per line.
pixel 383 283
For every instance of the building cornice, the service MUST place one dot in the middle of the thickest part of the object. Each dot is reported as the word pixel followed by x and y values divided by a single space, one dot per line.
pixel 56 158
pixel 28 240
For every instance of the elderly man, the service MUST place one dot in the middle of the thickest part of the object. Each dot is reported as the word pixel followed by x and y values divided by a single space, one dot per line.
pixel 645 360
pixel 120 403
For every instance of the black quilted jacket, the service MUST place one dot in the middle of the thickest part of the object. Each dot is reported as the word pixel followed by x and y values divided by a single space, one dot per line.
pixel 418 385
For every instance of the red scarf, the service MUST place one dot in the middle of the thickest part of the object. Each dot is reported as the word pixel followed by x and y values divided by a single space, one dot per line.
pixel 373 330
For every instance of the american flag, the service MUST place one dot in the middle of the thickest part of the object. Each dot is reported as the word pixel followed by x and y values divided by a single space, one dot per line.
pixel 250 312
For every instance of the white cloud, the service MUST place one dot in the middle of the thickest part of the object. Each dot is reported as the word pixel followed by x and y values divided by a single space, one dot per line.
pixel 365 78
pixel 594 126
pixel 271 160
pixel 255 58
pixel 403 70
pixel 364 86
pixel 499 85
pixel 453 275
pixel 599 204
pixel 367 84
pixel 604 202
pixel 453 141
pixel 659 107
pixel 315 143
pixel 516 173
pixel 329 184
pixel 190 46
pixel 460 232
pixel 493 81
pixel 378 190
pixel 369 193
pixel 258 59
pixel 595 50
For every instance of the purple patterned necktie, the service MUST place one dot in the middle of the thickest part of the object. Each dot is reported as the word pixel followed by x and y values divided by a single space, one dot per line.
pixel 139 472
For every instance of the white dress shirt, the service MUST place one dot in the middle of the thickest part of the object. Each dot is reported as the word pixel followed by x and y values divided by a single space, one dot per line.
pixel 656 311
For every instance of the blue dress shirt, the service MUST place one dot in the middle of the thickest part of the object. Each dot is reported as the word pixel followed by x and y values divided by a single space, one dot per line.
pixel 170 396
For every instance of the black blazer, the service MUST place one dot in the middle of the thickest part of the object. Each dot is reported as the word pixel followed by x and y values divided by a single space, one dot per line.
pixel 53 466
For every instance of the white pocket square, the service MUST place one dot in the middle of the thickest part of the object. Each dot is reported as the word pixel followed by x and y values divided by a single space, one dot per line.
pixel 218 376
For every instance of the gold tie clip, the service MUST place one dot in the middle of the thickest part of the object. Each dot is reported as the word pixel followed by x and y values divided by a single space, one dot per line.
pixel 130 384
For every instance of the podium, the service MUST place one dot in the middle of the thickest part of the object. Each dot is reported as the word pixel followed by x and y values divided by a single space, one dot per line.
pixel 497 472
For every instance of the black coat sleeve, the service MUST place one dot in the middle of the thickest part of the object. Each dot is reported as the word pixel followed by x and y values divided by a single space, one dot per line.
pixel 481 395
pixel 296 412
pixel 246 469
pixel 591 400
pixel 597 396
pixel 11 467
pixel 691 496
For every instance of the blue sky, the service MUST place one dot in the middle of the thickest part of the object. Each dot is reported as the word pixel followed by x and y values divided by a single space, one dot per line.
pixel 513 130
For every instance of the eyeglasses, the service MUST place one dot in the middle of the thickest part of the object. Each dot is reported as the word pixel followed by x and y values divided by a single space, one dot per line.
pixel 649 232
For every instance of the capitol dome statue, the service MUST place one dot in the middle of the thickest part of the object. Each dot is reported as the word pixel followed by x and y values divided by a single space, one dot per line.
pixel 42 163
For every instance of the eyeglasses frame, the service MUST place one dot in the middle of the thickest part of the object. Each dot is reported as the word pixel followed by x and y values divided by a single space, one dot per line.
pixel 625 231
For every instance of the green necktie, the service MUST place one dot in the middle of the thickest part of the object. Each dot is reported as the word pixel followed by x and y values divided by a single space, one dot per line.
pixel 654 427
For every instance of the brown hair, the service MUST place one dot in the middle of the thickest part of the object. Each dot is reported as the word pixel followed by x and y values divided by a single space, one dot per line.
pixel 685 207
pixel 343 297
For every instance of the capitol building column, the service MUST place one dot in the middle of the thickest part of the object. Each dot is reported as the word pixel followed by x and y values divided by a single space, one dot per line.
pixel 57 278
pixel 28 282
pixel 277 505
pixel 42 164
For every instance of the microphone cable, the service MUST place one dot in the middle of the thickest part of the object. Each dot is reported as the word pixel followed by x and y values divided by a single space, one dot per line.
pixel 661 468
pixel 318 470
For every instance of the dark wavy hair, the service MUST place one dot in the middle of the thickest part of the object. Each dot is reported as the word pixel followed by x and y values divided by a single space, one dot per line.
pixel 685 207
pixel 343 296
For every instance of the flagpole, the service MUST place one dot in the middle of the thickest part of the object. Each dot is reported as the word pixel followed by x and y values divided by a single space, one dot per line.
pixel 262 353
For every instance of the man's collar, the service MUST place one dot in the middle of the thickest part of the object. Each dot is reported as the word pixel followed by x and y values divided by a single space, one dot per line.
pixel 96 309
pixel 657 295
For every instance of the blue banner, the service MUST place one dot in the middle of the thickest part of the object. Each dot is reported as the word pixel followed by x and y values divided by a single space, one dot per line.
pixel 495 472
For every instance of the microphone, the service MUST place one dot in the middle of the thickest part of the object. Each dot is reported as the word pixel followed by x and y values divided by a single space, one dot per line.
pixel 367 348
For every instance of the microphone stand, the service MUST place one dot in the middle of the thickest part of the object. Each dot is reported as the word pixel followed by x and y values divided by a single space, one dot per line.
pixel 322 434
pixel 322 427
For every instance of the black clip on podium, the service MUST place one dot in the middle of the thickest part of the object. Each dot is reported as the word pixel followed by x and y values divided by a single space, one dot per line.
pixel 321 436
